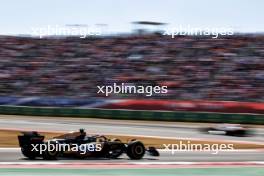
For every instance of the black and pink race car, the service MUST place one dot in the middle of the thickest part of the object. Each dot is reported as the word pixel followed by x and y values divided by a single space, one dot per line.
pixel 80 145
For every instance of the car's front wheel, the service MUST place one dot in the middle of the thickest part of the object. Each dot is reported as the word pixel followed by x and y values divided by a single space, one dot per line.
pixel 135 150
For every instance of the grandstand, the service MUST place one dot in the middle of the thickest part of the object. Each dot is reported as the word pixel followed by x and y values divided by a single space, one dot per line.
pixel 228 68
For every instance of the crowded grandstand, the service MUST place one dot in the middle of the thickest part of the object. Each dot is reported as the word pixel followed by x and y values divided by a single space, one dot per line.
pixel 226 68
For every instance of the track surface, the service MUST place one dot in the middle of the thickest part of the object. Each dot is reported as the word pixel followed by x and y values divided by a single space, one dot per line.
pixel 158 129
pixel 14 155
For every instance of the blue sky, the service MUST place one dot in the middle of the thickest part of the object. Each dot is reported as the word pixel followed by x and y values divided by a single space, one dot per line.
pixel 18 17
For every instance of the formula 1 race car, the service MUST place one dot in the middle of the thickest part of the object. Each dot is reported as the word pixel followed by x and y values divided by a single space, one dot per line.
pixel 229 130
pixel 79 145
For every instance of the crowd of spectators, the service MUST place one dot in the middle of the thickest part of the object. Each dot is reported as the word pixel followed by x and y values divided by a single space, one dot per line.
pixel 227 68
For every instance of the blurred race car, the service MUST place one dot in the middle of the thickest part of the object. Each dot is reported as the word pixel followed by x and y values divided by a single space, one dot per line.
pixel 79 145
pixel 229 130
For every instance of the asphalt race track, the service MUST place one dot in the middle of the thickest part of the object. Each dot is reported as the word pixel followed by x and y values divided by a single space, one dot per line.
pixel 160 129
pixel 14 155
pixel 102 126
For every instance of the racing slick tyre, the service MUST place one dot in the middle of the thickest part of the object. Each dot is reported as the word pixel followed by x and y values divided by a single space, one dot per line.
pixel 50 154
pixel 136 150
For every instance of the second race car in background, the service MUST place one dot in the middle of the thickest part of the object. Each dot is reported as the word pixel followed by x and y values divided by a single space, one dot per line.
pixel 229 130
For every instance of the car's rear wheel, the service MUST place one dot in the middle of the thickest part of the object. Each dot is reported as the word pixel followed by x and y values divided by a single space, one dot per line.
pixel 136 150
pixel 28 153
pixel 50 154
